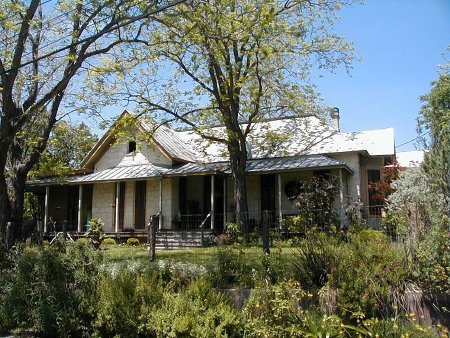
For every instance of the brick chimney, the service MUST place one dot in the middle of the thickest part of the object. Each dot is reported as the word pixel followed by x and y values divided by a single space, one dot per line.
pixel 335 118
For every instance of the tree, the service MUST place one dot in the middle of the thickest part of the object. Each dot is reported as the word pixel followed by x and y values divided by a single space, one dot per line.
pixel 231 63
pixel 67 146
pixel 435 118
pixel 43 50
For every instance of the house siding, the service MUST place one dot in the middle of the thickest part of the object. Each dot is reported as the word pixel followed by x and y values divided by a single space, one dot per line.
pixel 102 203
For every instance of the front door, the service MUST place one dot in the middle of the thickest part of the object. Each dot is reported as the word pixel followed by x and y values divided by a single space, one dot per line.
pixel 267 188
pixel 139 205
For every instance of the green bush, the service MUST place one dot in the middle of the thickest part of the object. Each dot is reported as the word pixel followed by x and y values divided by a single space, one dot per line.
pixel 95 232
pixel 126 298
pixel 51 290
pixel 109 241
pixel 199 311
pixel 369 276
pixel 132 241
pixel 315 259
pixel 232 269
pixel 82 240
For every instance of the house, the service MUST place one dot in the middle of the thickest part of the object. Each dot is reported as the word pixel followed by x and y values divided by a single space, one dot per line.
pixel 186 181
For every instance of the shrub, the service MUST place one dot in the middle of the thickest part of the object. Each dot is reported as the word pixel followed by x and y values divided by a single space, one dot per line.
pixel 51 290
pixel 109 241
pixel 315 259
pixel 368 276
pixel 132 241
pixel 232 269
pixel 199 311
pixel 82 241
pixel 95 232
pixel 125 300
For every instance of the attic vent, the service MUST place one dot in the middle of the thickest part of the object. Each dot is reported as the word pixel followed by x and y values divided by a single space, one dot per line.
pixel 131 146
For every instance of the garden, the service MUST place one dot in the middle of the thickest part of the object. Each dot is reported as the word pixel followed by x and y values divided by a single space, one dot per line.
pixel 323 284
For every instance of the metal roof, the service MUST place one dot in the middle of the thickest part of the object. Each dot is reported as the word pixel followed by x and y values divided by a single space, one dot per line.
pixel 144 171
pixel 170 142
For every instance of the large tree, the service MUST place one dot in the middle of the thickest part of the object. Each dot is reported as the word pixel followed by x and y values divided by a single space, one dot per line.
pixel 232 63
pixel 44 49
pixel 435 120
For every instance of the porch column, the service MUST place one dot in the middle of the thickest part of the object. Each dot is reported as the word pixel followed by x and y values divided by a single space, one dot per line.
pixel 224 201
pixel 280 213
pixel 116 211
pixel 212 202
pixel 80 199
pixel 341 199
pixel 160 202
pixel 47 191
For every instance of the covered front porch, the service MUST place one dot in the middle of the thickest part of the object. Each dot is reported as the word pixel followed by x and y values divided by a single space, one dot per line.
pixel 188 197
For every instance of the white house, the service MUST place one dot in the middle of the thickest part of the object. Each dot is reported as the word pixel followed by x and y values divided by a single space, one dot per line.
pixel 183 178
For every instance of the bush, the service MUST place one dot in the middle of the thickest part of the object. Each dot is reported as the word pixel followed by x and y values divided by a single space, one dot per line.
pixel 232 269
pixel 95 232
pixel 51 290
pixel 133 241
pixel 109 241
pixel 199 311
pixel 369 276
pixel 125 300
pixel 315 259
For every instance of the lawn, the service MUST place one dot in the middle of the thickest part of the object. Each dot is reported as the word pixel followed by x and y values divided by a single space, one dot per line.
pixel 201 256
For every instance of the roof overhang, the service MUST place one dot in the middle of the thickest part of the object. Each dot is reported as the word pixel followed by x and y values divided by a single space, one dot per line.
pixel 147 171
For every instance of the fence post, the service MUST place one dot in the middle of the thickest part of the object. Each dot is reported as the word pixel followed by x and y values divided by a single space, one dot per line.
pixel 40 228
pixel 64 229
pixel 151 238
pixel 265 232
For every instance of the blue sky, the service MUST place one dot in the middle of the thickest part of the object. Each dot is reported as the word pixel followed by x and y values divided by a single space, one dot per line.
pixel 401 42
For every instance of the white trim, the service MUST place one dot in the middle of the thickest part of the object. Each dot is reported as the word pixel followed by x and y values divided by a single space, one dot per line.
pixel 280 213
pixel 212 202
pixel 160 203
pixel 47 192
pixel 80 203
pixel 116 214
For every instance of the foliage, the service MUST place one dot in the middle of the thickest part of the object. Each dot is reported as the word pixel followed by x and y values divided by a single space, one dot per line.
pixel 315 201
pixel 232 268
pixel 297 224
pixel 199 311
pixel 132 241
pixel 95 232
pixel 67 146
pixel 315 259
pixel 416 212
pixel 383 188
pixel 51 290
pixel 178 274
pixel 108 241
pixel 434 118
pixel 125 300
pixel 354 213
pixel 369 276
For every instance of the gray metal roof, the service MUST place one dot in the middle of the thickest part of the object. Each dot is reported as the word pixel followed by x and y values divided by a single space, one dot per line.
pixel 170 142
pixel 144 171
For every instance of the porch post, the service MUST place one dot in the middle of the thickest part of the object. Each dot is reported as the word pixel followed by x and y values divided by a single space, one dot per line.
pixel 160 202
pixel 212 202
pixel 47 191
pixel 224 201
pixel 280 213
pixel 341 199
pixel 116 211
pixel 80 199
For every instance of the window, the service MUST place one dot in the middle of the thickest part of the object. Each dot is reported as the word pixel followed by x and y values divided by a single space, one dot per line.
pixel 373 176
pixel 131 146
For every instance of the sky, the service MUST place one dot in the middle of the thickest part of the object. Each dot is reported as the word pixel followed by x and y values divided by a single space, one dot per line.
pixel 400 43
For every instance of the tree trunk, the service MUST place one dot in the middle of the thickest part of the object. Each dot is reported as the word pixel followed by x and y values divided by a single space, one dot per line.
pixel 238 162
pixel 17 204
